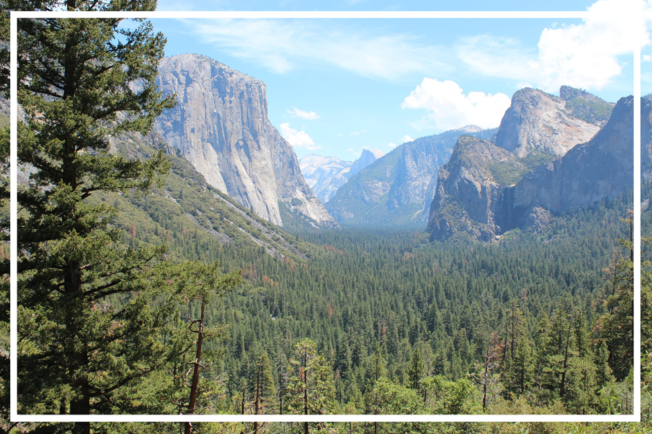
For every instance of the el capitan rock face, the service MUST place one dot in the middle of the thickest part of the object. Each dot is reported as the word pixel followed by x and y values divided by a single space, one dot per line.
pixel 220 124
pixel 537 121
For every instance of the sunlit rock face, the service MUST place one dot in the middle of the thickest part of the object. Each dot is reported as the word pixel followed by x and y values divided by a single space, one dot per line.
pixel 220 124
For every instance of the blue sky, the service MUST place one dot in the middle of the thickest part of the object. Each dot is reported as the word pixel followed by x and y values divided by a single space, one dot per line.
pixel 337 86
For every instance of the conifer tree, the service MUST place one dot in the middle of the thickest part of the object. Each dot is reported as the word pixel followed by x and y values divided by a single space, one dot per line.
pixel 582 343
pixel 4 232
pixel 93 312
pixel 604 374
pixel 264 393
pixel 523 366
pixel 415 372
pixel 310 386
pixel 616 327
pixel 516 365
pixel 582 396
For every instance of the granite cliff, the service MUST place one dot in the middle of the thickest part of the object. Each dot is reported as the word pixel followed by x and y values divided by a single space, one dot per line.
pixel 393 190
pixel 539 122
pixel 588 173
pixel 485 191
pixel 221 127
pixel 470 190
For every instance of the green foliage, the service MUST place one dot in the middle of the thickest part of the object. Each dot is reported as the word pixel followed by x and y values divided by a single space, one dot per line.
pixel 506 173
pixel 536 158
pixel 310 386
pixel 100 320
pixel 369 298
pixel 616 326
pixel 328 322
pixel 595 111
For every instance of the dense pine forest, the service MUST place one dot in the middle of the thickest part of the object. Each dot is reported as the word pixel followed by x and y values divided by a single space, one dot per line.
pixel 142 290
pixel 395 324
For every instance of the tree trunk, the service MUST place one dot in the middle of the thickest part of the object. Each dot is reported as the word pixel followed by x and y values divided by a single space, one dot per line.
pixel 82 428
pixel 257 399
pixel 486 376
pixel 72 283
pixel 80 404
pixel 195 375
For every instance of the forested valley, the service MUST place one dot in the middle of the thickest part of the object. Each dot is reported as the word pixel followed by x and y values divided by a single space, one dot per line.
pixel 142 290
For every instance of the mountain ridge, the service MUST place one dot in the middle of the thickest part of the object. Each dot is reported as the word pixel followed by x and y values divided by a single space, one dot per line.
pixel 528 195
pixel 325 175
pixel 394 189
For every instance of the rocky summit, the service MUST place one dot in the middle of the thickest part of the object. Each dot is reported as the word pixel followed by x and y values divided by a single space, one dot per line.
pixel 221 126
pixel 537 121
pixel 485 191
pixel 588 173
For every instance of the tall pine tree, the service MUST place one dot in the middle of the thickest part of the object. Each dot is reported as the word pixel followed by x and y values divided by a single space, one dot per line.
pixel 93 312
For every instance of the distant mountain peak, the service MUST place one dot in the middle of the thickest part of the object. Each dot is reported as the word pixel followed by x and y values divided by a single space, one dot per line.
pixel 396 189
pixel 367 157
pixel 377 152
pixel 469 129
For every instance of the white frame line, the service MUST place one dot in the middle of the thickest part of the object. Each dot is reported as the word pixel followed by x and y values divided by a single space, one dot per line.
pixel 15 15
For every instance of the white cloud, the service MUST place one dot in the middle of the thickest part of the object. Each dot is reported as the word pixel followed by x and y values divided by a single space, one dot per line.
pixel 451 108
pixel 296 113
pixel 391 145
pixel 298 139
pixel 282 45
pixel 354 133
pixel 407 138
pixel 584 55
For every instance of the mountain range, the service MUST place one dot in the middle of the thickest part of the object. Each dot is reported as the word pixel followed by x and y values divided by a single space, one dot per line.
pixel 325 175
pixel 525 178
pixel 549 154
pixel 395 189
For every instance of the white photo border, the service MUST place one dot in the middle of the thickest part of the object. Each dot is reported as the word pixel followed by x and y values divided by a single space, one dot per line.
pixel 636 49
